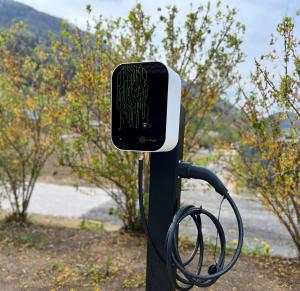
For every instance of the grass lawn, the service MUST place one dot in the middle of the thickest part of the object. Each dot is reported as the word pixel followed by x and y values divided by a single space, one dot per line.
pixel 62 254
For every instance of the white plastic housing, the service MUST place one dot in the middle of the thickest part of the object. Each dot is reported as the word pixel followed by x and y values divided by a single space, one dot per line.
pixel 173 111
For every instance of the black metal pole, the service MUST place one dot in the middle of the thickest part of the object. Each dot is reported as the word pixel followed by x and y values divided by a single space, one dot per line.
pixel 164 201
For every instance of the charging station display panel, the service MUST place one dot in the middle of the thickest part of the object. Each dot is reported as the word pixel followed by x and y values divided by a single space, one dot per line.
pixel 139 106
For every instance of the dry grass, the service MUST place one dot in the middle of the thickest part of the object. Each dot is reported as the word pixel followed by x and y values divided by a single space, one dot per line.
pixel 55 254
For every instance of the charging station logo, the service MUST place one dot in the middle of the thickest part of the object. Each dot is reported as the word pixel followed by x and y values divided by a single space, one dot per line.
pixel 132 96
pixel 142 139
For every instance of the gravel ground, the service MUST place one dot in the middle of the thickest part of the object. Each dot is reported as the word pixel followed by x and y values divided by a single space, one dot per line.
pixel 259 224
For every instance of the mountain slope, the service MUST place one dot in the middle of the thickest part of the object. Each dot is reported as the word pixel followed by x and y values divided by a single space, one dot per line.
pixel 38 23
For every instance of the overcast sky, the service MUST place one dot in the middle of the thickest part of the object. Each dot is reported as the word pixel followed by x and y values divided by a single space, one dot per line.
pixel 260 16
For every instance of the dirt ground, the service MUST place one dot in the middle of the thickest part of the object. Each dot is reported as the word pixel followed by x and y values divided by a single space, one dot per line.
pixel 55 173
pixel 55 254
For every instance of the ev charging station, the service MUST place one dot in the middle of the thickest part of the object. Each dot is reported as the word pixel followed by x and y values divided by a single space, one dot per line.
pixel 147 116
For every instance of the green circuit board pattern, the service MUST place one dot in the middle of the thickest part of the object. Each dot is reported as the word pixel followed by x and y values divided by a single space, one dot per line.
pixel 132 96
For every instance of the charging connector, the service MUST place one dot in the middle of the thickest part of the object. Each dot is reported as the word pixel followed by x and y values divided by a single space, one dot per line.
pixel 188 171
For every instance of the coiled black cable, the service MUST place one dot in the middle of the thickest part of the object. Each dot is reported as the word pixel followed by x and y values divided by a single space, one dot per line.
pixel 183 278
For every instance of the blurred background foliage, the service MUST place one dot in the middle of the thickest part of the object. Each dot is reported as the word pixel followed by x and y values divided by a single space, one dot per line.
pixel 205 52
pixel 55 96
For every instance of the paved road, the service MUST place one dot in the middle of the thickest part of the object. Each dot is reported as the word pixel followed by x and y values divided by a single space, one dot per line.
pixel 259 223
pixel 92 203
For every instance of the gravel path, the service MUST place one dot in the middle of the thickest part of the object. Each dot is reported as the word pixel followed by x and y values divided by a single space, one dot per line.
pixel 260 225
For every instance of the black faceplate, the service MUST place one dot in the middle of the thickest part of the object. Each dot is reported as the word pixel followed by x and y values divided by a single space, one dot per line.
pixel 139 106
